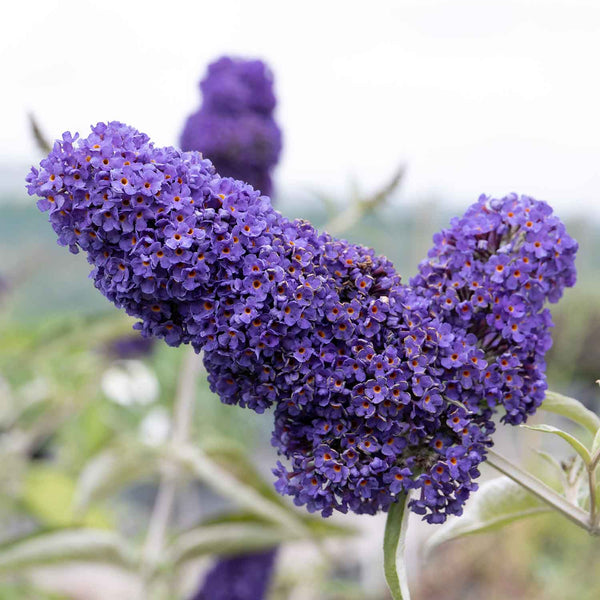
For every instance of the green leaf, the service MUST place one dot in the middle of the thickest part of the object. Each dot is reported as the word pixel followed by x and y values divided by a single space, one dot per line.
pixel 318 527
pixel 235 460
pixel 244 495
pixel 496 503
pixel 226 538
pixel 556 470
pixel 89 432
pixel 48 494
pixel 572 409
pixel 321 528
pixel 394 542
pixel 572 440
pixel 109 470
pixel 65 546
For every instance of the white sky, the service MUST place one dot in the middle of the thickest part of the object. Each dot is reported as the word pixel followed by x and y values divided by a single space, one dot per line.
pixel 474 95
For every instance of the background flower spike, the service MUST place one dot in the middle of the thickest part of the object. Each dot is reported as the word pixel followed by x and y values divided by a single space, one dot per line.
pixel 235 127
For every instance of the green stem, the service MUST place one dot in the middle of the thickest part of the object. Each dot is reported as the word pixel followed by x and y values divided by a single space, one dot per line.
pixel 165 498
pixel 592 487
pixel 394 541
pixel 541 490
pixel 592 467
pixel 351 216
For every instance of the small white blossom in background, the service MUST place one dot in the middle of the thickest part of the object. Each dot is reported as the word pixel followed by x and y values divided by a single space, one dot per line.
pixel 155 427
pixel 130 382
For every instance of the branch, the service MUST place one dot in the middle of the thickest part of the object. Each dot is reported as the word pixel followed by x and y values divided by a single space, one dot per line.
pixel 348 218
pixel 542 491
pixel 41 140
pixel 182 419
pixel 592 487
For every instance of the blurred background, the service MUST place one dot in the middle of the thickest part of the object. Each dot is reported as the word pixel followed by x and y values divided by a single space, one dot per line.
pixel 394 118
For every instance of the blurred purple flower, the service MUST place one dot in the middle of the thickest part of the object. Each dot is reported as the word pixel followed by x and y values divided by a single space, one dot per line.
pixel 234 127
pixel 128 347
pixel 239 577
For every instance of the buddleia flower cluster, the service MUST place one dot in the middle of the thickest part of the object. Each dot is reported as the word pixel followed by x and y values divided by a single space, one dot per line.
pixel 376 387
pixel 235 127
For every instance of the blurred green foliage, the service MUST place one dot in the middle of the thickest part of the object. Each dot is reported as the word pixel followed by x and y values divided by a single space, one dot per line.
pixel 542 558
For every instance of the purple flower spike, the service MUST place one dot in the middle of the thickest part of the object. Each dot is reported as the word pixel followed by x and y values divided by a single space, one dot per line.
pixel 235 128
pixel 377 387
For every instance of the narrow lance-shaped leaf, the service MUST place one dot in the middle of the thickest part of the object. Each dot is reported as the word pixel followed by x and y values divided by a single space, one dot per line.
pixel 572 440
pixel 572 409
pixel 109 470
pixel 223 482
pixel 226 538
pixel 318 527
pixel 556 469
pixel 65 546
pixel 234 459
pixel 497 503
pixel 394 542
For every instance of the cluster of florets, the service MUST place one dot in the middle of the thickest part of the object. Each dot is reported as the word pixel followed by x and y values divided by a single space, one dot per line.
pixel 489 276
pixel 132 208
pixel 239 577
pixel 377 387
pixel 389 427
pixel 234 127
